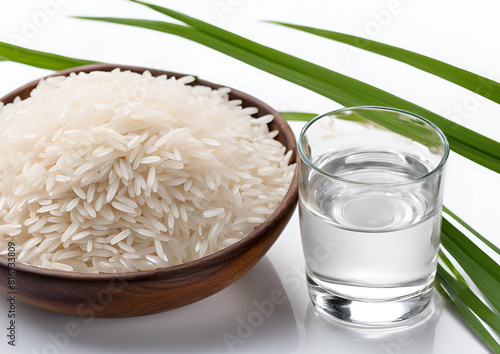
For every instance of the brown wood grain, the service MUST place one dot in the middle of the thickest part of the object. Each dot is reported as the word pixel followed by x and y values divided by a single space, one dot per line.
pixel 148 292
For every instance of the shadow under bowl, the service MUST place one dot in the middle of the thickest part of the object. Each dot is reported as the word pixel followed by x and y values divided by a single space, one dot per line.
pixel 148 292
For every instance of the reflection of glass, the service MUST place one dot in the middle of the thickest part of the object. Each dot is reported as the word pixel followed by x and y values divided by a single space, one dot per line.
pixel 414 336
pixel 370 212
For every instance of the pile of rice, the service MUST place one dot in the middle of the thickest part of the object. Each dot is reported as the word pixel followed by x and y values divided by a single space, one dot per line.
pixel 119 172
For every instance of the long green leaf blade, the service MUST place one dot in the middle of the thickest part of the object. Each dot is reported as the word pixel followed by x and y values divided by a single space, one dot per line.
pixel 345 90
pixel 476 83
pixel 481 268
pixel 418 133
pixel 473 231
pixel 312 69
pixel 468 317
pixel 39 59
pixel 299 116
pixel 470 299
pixel 446 261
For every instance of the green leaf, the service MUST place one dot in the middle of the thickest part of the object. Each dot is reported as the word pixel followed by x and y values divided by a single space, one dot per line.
pixel 468 316
pixel 39 59
pixel 418 133
pixel 300 116
pixel 479 84
pixel 480 267
pixel 474 232
pixel 343 89
pixel 451 267
pixel 490 317
pixel 466 303
pixel 305 117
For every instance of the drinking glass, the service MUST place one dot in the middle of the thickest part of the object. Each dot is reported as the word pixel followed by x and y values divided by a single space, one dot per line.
pixel 370 199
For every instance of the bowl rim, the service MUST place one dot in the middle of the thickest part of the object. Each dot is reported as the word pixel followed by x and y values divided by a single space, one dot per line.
pixel 222 256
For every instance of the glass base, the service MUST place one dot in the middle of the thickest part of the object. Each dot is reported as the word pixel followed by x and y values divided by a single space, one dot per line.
pixel 370 313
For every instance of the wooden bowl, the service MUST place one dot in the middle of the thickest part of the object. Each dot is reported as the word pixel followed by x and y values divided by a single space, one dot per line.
pixel 148 292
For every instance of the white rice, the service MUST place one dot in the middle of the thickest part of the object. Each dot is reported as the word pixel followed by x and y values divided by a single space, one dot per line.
pixel 120 172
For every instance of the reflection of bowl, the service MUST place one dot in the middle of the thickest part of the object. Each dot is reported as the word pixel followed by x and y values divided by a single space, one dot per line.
pixel 148 292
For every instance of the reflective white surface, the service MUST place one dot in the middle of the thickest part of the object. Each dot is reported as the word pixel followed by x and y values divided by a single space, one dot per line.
pixel 241 317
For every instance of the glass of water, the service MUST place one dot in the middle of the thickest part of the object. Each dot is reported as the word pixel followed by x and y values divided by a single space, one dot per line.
pixel 370 190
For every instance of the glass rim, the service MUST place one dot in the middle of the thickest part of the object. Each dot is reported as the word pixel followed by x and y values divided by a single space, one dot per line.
pixel 436 169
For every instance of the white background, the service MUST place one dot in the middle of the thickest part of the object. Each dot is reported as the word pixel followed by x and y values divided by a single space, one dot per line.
pixel 459 32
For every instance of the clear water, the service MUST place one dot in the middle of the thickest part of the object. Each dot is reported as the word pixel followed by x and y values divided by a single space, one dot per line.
pixel 366 242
